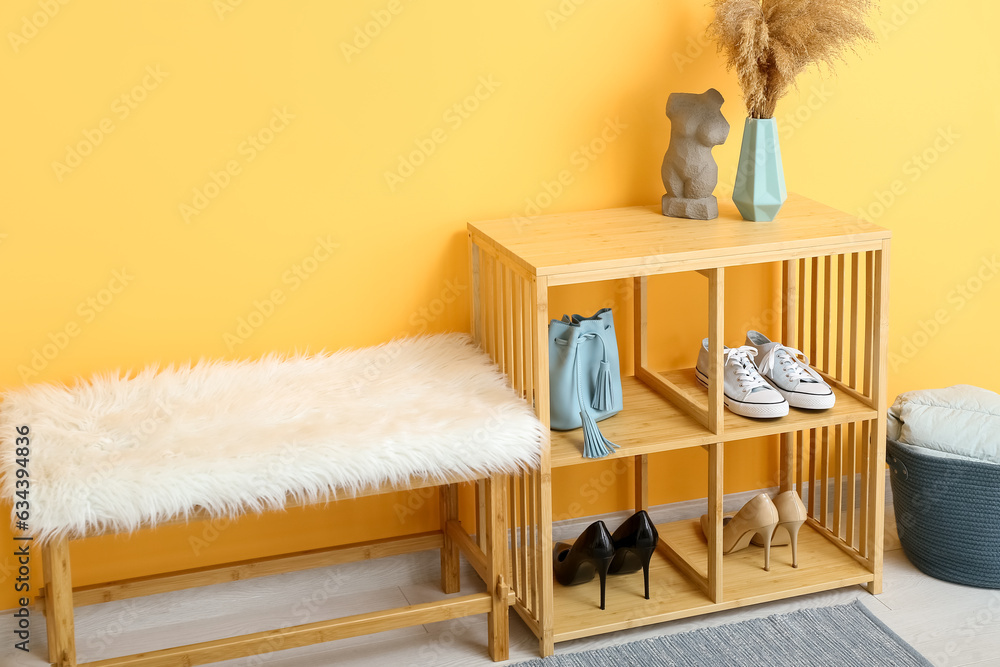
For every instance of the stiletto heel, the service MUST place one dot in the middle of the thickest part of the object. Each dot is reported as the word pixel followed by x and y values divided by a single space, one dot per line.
pixel 765 535
pixel 793 533
pixel 758 517
pixel 791 515
pixel 635 542
pixel 645 572
pixel 604 583
pixel 590 554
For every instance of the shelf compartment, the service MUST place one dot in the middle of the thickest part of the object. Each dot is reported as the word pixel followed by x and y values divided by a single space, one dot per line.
pixel 822 566
pixel 651 423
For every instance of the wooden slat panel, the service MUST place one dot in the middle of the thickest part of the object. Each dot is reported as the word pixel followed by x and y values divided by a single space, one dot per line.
pixel 827 299
pixel 838 478
pixel 851 474
pixel 812 473
pixel 489 307
pixel 514 562
pixel 716 469
pixel 528 323
pixel 517 333
pixel 640 322
pixel 716 321
pixel 789 301
pixel 853 360
pixel 799 464
pixel 824 466
pixel 475 293
pixel 481 514
pixel 841 308
pixel 803 277
pixel 869 320
pixel 533 551
pixel 641 470
pixel 522 550
pixel 814 310
pixel 546 602
pixel 508 322
pixel 499 316
pixel 863 515
pixel 876 457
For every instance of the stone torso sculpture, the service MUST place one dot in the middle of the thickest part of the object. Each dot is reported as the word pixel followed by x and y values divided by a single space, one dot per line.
pixel 689 170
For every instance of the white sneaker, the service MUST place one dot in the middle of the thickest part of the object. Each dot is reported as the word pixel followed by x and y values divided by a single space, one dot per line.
pixel 744 391
pixel 788 370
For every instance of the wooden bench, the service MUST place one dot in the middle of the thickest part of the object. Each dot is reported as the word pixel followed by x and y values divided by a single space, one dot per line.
pixel 484 429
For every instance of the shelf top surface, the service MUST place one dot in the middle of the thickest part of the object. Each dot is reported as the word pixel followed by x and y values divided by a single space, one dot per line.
pixel 638 236
pixel 650 423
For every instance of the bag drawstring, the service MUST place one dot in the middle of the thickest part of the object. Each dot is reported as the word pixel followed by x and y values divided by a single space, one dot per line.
pixel 595 445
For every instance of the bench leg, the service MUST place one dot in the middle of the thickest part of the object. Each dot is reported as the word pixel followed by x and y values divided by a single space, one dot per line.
pixel 59 603
pixel 450 566
pixel 497 548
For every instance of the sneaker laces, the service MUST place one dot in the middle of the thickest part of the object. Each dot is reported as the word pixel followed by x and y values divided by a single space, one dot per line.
pixel 786 360
pixel 742 358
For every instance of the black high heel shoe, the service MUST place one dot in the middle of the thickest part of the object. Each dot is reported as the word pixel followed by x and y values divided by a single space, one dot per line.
pixel 590 554
pixel 635 541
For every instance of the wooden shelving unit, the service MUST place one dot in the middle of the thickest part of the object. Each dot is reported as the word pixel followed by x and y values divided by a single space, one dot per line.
pixel 834 308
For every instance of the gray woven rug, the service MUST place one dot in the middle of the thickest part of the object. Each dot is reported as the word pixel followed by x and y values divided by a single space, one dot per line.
pixel 843 636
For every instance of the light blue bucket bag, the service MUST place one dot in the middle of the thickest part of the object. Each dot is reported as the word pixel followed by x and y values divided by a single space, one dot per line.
pixel 585 383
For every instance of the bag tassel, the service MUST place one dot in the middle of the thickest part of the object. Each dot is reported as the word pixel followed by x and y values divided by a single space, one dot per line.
pixel 595 445
pixel 603 395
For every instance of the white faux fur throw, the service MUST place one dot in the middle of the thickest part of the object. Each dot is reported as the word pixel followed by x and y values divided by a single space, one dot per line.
pixel 115 453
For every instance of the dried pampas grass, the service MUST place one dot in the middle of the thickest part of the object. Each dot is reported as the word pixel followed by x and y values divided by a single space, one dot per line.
pixel 769 42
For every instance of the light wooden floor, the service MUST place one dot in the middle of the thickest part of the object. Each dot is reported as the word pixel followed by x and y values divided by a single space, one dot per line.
pixel 951 625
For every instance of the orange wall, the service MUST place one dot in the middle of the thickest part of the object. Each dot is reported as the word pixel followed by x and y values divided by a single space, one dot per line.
pixel 494 101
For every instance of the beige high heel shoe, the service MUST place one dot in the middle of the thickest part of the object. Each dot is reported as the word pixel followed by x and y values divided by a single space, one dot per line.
pixel 758 517
pixel 792 514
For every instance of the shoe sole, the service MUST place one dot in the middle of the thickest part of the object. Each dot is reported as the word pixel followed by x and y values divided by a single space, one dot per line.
pixel 752 410
pixel 807 401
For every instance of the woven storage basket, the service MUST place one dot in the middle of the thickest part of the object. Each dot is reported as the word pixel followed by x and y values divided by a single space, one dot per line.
pixel 948 515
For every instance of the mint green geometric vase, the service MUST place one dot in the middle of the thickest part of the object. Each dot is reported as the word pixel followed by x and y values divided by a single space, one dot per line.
pixel 760 180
